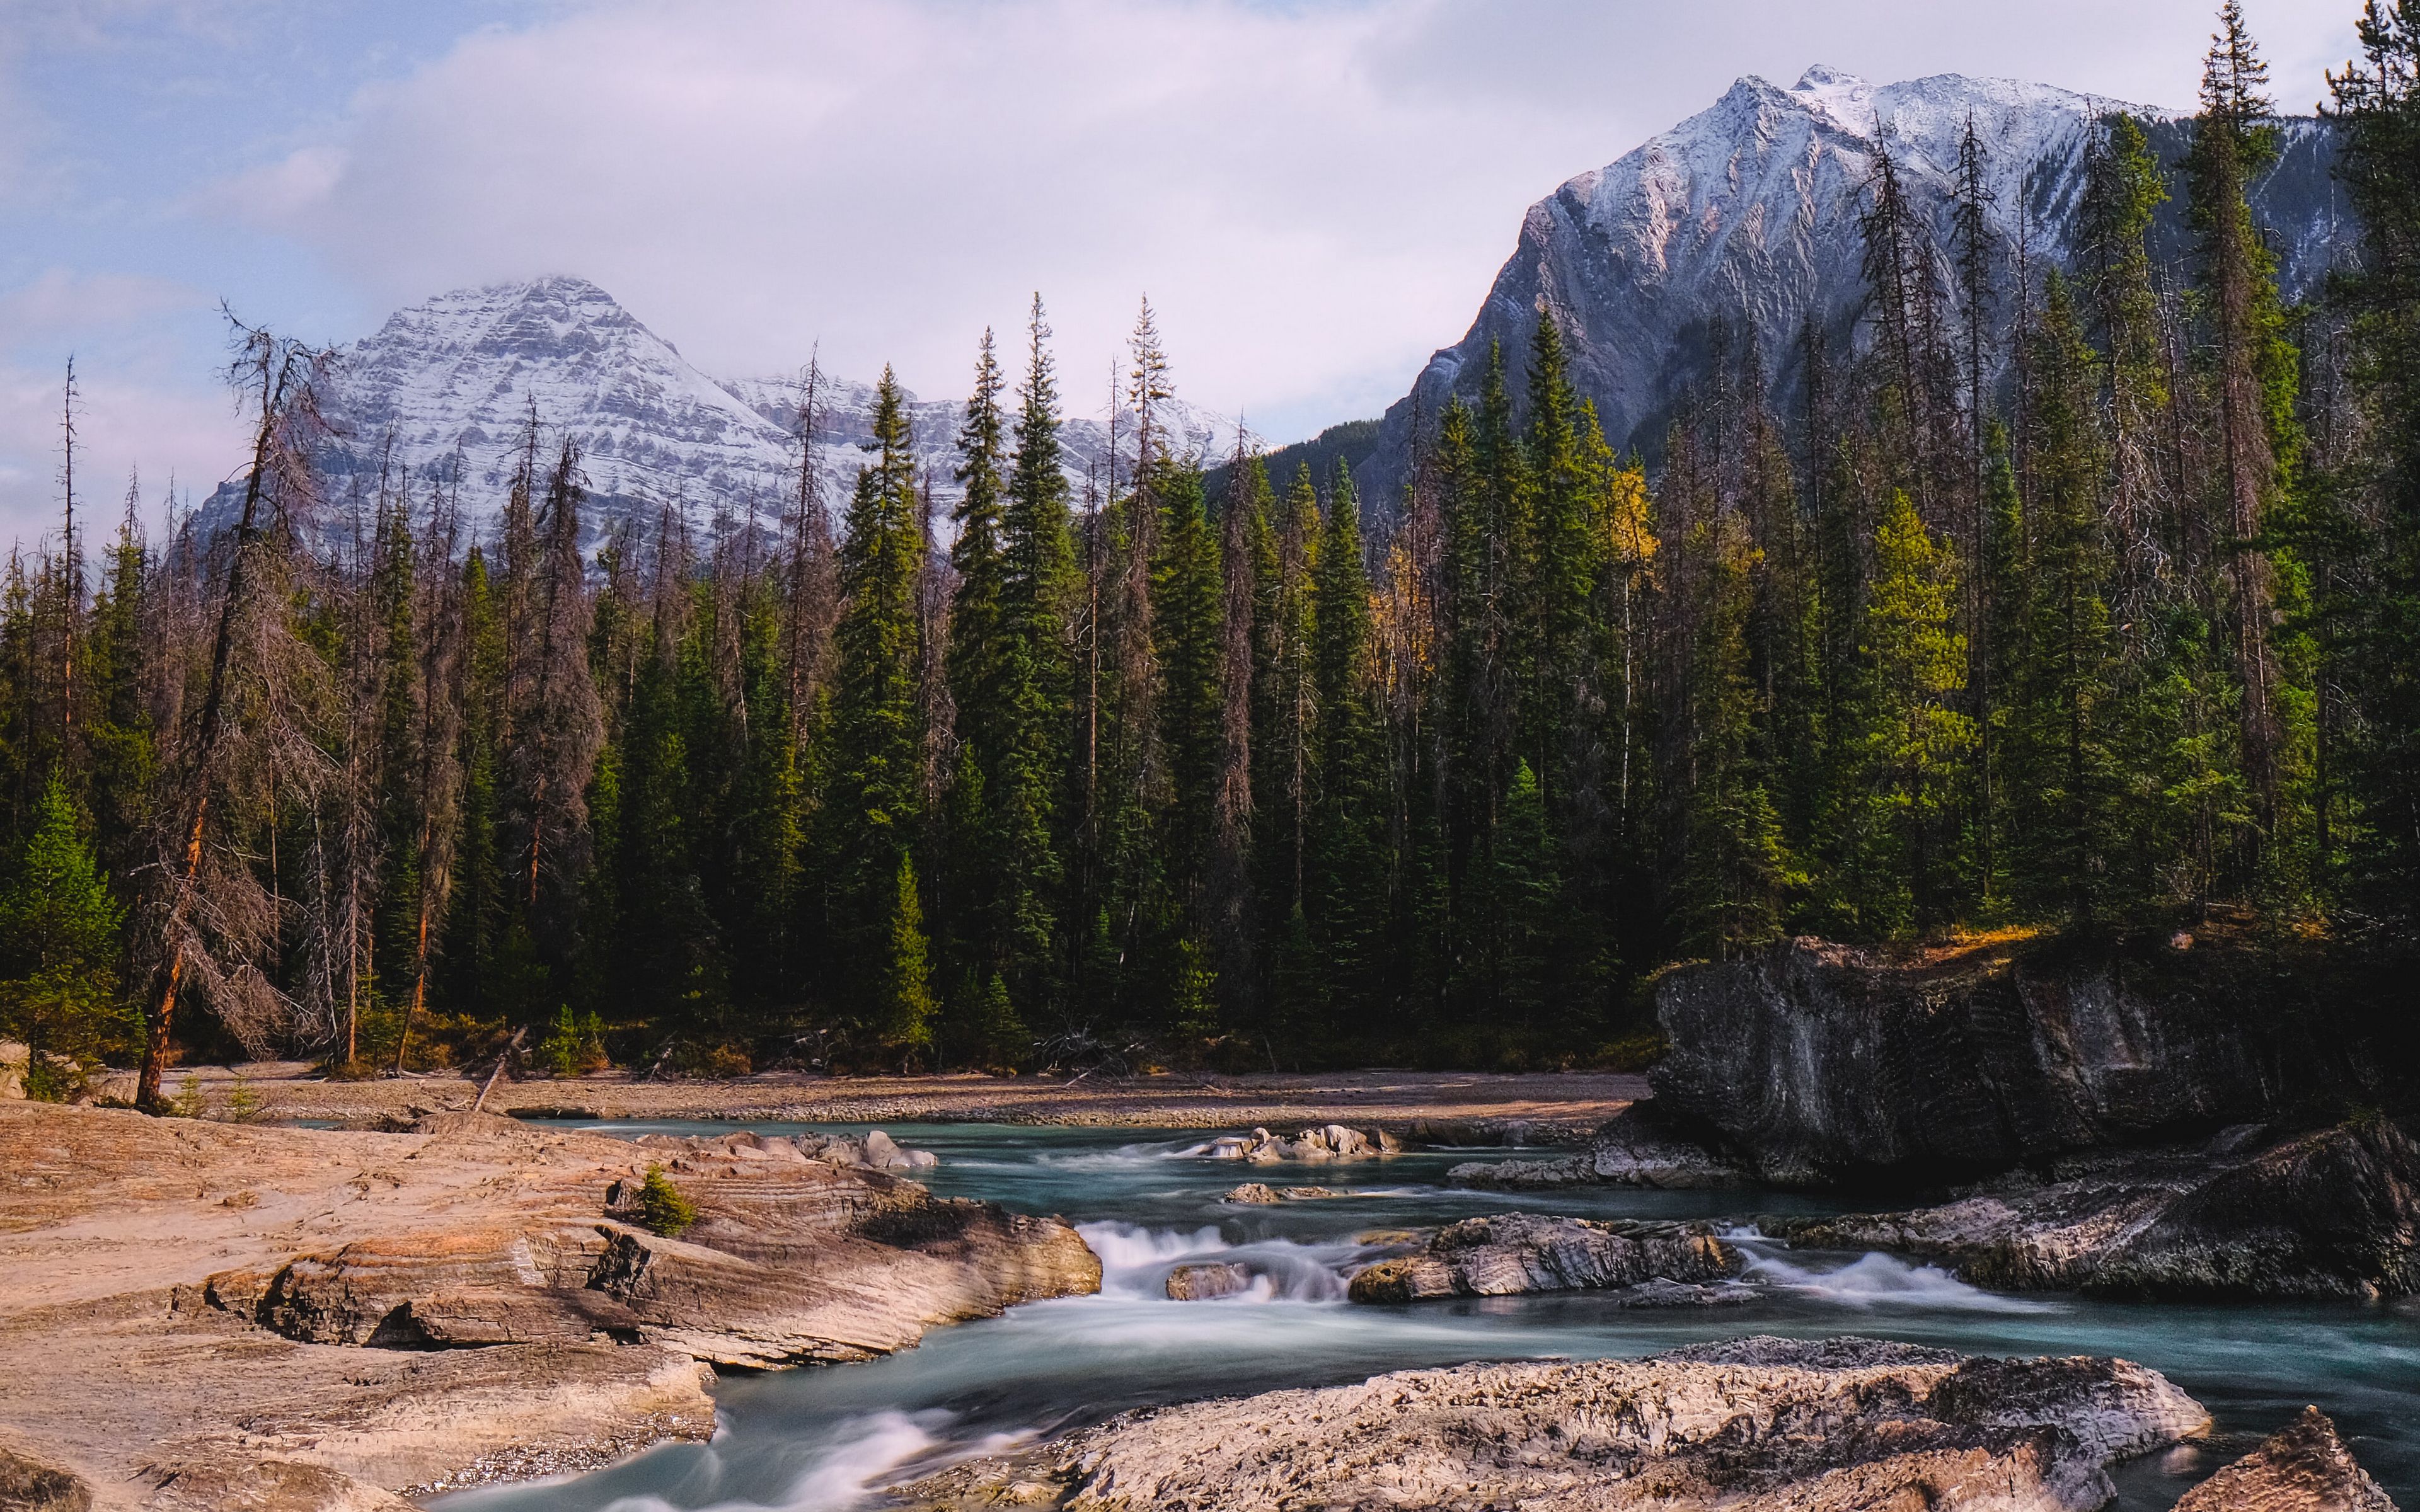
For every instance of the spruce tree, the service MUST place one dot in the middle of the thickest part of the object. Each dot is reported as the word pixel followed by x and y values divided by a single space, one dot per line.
pixel 1913 740
pixel 2063 746
pixel 58 965
pixel 872 804
pixel 2377 106
pixel 1346 861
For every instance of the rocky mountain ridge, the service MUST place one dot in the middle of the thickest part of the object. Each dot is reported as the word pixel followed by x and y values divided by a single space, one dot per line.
pixel 1746 214
pixel 444 390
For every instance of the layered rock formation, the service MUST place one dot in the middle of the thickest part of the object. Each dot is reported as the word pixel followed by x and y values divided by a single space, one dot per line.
pixel 2330 1213
pixel 1750 1426
pixel 1631 1149
pixel 2302 1468
pixel 347 1312
pixel 1518 1252
pixel 1815 1061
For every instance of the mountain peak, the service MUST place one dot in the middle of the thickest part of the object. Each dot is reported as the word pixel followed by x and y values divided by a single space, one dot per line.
pixel 1824 76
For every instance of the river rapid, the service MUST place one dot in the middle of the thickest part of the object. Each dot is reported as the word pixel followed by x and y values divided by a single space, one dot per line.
pixel 824 1438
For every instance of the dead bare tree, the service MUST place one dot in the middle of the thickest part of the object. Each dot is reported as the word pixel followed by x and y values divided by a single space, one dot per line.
pixel 436 737
pixel 207 922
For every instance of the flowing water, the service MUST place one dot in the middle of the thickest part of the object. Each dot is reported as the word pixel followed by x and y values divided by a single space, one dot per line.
pixel 825 1437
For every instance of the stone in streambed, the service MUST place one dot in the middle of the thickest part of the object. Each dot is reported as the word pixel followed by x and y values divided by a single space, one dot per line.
pixel 2304 1468
pixel 1206 1281
pixel 1327 1142
pixel 1514 1253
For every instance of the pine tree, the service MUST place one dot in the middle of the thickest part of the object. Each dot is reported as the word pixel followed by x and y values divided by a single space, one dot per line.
pixel 2063 744
pixel 988 885
pixel 2253 378
pixel 1346 890
pixel 903 1007
pixel 874 804
pixel 2376 105
pixel 1738 866
pixel 1914 740
pixel 1187 607
pixel 58 967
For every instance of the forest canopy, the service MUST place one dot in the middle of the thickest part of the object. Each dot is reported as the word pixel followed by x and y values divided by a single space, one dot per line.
pixel 2082 597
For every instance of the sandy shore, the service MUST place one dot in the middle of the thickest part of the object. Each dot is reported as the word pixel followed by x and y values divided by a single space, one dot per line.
pixel 1448 1107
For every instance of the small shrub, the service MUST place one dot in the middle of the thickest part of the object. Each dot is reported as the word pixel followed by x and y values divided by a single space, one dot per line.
pixel 188 1101
pixel 661 1208
pixel 244 1104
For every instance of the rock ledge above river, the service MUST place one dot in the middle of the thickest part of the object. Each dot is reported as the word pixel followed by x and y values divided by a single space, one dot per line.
pixel 1769 1426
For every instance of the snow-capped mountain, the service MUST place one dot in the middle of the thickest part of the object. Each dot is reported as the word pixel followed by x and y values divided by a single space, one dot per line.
pixel 453 383
pixel 1747 212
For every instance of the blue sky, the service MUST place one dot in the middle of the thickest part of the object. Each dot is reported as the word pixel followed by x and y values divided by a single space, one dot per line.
pixel 1314 195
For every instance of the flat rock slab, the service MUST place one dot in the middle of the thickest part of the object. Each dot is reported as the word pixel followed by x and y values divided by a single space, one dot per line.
pixel 1429 1107
pixel 1776 1425
pixel 201 1313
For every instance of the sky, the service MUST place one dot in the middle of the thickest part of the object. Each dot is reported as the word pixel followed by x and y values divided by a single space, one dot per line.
pixel 1314 195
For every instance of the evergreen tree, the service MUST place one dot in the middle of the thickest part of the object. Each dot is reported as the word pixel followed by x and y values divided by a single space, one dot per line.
pixel 1913 741
pixel 872 805
pixel 1346 860
pixel 58 965
pixel 2064 745
pixel 2376 105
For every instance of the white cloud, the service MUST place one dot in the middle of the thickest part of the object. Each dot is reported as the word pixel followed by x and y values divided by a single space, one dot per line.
pixel 1314 195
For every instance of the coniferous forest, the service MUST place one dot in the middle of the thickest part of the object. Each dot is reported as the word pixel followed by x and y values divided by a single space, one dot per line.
pixel 2077 597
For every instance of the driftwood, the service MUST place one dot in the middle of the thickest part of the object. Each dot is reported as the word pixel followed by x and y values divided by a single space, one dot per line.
pixel 511 1052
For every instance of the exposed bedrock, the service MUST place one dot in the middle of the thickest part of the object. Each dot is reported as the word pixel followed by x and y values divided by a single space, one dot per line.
pixel 789 1260
pixel 1813 1061
pixel 2303 1467
pixel 1518 1252
pixel 1753 1425
pixel 1632 1148
pixel 2330 1213
pixel 209 1314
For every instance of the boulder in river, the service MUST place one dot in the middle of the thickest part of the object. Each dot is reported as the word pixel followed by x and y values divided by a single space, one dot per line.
pixel 1815 1061
pixel 2333 1213
pixel 1519 1251
pixel 2302 1468
pixel 1778 1425
pixel 1206 1280
pixel 1332 1141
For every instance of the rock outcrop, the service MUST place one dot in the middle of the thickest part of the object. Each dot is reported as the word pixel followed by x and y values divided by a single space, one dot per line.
pixel 1761 1425
pixel 1517 1252
pixel 2302 1468
pixel 1814 1061
pixel 1631 1149
pixel 210 1315
pixel 2331 1214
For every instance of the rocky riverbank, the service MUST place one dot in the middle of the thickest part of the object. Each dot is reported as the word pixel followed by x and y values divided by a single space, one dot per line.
pixel 2333 1213
pixel 1750 1425
pixel 1420 1107
pixel 207 1315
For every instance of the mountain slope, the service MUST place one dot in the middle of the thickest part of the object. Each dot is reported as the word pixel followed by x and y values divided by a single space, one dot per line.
pixel 452 382
pixel 1747 212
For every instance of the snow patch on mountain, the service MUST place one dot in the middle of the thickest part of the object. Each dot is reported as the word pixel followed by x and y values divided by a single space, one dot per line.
pixel 1748 214
pixel 444 391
